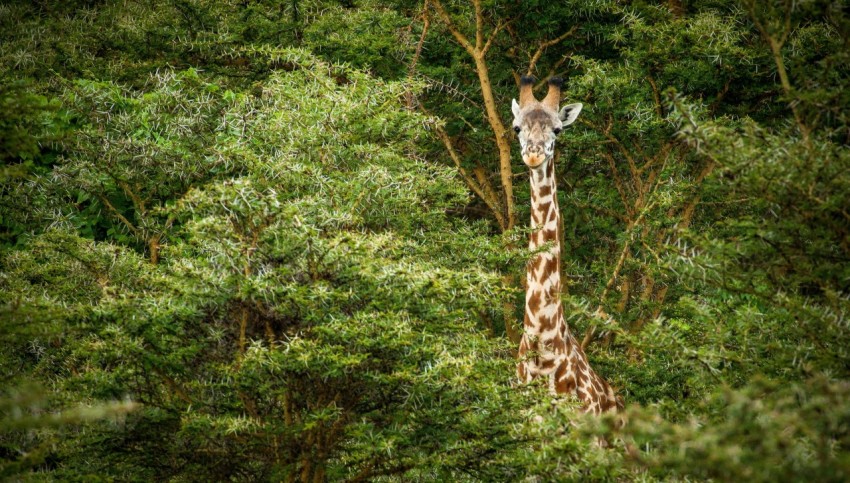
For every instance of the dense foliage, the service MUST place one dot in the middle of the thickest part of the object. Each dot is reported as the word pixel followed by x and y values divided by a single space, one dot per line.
pixel 269 240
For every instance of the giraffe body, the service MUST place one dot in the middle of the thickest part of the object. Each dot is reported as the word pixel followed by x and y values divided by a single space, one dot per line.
pixel 548 348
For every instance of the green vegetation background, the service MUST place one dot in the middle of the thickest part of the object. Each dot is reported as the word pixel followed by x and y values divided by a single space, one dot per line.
pixel 272 240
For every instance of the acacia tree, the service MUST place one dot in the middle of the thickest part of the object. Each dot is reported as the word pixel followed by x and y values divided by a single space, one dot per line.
pixel 759 311
pixel 502 204
pixel 303 320
pixel 490 40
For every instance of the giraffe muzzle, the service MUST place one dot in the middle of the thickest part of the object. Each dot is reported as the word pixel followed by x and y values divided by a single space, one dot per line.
pixel 533 160
pixel 534 155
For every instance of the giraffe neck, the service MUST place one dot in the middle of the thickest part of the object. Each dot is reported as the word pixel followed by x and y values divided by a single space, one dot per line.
pixel 544 209
pixel 548 348
pixel 543 273
pixel 542 340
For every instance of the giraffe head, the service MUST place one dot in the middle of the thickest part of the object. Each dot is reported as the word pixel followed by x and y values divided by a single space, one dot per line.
pixel 537 123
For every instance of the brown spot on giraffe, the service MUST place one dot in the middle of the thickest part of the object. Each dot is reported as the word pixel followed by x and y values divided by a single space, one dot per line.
pixel 546 323
pixel 564 384
pixel 581 366
pixel 522 372
pixel 550 267
pixel 533 304
pixel 551 294
pixel 597 386
pixel 550 171
pixel 536 218
pixel 581 378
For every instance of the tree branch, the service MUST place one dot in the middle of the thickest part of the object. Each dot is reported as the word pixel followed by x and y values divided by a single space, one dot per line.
pixel 479 25
pixel 621 261
pixel 500 134
pixel 655 96
pixel 411 70
pixel 625 152
pixel 555 67
pixel 482 190
pixel 133 229
pixel 492 37
pixel 776 45
pixel 618 183
pixel 545 45
pixel 444 16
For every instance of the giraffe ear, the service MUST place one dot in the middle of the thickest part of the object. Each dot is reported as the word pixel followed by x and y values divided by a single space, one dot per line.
pixel 515 108
pixel 569 113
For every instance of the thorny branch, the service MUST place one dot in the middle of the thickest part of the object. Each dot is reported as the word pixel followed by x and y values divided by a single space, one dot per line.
pixel 545 45
pixel 478 51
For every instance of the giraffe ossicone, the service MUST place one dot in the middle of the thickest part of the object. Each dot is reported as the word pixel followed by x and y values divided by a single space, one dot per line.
pixel 548 348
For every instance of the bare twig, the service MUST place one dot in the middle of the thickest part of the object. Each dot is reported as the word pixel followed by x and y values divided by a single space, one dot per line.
pixel 492 37
pixel 411 70
pixel 481 187
pixel 133 229
pixel 444 16
pixel 656 96
pixel 545 45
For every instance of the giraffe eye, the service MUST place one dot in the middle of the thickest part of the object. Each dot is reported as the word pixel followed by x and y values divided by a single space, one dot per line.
pixel 557 131
pixel 517 129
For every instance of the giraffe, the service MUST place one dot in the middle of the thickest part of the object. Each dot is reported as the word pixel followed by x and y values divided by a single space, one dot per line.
pixel 547 347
